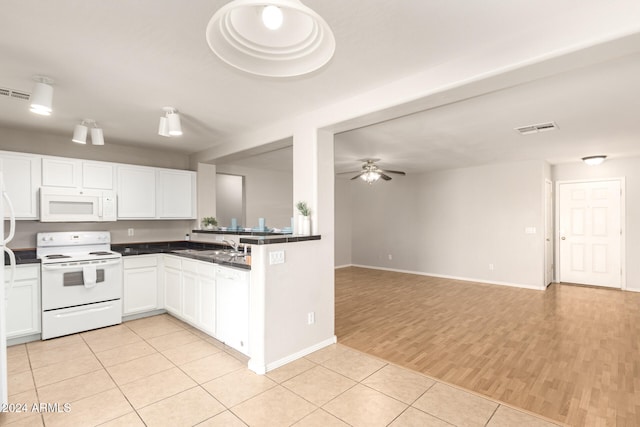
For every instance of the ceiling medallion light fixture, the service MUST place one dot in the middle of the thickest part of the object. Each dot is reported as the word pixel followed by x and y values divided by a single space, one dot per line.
pixel 594 160
pixel 170 123
pixel 81 130
pixel 272 38
pixel 42 96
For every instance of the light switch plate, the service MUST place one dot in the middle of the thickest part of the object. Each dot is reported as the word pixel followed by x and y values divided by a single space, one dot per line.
pixel 276 257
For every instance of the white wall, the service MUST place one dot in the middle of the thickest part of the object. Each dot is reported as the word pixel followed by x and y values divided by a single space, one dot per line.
pixel 454 223
pixel 628 168
pixel 268 194
pixel 229 199
pixel 342 222
pixel 27 141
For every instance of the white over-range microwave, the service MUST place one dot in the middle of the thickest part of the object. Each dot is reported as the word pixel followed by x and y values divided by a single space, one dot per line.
pixel 75 205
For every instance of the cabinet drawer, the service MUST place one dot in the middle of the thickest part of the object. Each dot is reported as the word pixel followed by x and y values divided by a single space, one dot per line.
pixel 140 261
pixel 23 273
pixel 172 262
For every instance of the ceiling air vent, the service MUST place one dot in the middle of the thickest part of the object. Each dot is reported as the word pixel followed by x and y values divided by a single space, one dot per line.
pixel 540 127
pixel 15 94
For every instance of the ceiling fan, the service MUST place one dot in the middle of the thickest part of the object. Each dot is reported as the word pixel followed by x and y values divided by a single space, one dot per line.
pixel 371 172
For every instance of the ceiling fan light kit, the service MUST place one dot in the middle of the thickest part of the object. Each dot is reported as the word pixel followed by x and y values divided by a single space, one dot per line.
pixel 371 172
pixel 275 38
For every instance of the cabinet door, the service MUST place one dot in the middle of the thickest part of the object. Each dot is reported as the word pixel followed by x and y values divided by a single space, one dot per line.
pixel 136 192
pixel 61 172
pixel 22 176
pixel 189 297
pixel 172 292
pixel 176 194
pixel 23 303
pixel 207 302
pixel 97 175
pixel 140 290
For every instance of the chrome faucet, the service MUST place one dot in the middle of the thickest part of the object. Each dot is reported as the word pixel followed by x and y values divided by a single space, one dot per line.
pixel 231 243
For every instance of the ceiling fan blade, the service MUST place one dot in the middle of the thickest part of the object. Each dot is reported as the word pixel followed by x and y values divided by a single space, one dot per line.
pixel 390 171
pixel 358 176
pixel 383 176
pixel 347 173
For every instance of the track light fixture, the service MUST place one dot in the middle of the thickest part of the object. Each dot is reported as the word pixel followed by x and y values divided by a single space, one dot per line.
pixel 170 123
pixel 42 96
pixel 81 130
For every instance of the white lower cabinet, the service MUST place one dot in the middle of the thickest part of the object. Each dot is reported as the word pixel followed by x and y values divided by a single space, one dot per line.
pixel 190 306
pixel 140 284
pixel 212 298
pixel 172 278
pixel 23 301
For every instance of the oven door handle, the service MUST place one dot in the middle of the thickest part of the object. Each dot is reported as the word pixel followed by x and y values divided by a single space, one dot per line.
pixel 83 311
pixel 78 265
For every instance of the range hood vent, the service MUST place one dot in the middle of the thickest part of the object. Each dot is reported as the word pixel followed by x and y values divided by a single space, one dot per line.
pixel 15 94
pixel 540 127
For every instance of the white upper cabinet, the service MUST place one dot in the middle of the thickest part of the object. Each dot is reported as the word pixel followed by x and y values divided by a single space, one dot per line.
pixel 74 173
pixel 176 192
pixel 98 175
pixel 61 172
pixel 21 180
pixel 136 192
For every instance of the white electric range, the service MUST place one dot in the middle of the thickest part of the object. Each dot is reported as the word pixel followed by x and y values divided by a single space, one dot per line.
pixel 81 282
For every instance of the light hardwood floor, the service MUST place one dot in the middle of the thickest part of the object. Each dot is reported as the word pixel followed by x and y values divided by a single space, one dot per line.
pixel 570 353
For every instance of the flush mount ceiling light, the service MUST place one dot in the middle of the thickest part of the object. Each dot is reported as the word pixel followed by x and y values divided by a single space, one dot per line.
pixel 42 96
pixel 594 160
pixel 273 38
pixel 170 123
pixel 80 133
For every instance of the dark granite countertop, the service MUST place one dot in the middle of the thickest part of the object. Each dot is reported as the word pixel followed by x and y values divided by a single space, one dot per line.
pixel 241 232
pixel 186 249
pixel 270 240
pixel 23 256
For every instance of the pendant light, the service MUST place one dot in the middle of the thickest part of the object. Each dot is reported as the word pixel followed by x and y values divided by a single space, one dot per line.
pixel 274 38
pixel 42 96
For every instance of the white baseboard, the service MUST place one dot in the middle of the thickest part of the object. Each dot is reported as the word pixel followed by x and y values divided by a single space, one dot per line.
pixel 343 266
pixel 445 276
pixel 261 369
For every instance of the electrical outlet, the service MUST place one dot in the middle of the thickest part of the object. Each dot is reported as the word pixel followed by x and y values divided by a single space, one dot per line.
pixel 276 257
pixel 390 257
pixel 491 267
pixel 130 232
pixel 311 318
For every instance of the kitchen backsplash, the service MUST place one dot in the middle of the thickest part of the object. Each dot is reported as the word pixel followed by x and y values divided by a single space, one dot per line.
pixel 143 231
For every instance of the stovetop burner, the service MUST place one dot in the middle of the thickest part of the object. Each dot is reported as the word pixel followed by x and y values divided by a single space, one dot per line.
pixel 57 256
pixel 101 253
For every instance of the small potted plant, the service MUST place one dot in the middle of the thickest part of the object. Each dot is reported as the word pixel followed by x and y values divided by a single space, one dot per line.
pixel 304 220
pixel 209 222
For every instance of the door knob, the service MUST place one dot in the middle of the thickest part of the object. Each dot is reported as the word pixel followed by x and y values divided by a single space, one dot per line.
pixel 563 238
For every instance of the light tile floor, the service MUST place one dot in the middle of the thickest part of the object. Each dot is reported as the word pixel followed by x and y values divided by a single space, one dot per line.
pixel 159 371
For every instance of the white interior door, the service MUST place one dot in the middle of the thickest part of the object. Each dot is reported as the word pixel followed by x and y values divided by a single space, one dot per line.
pixel 548 232
pixel 590 232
